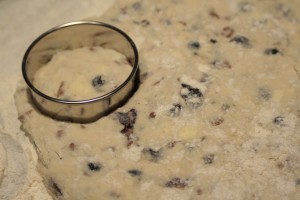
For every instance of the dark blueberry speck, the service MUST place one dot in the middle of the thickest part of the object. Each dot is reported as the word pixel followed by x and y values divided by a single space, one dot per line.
pixel 175 111
pixel 279 120
pixel 127 119
pixel 192 96
pixel 135 172
pixel 152 155
pixel 194 45
pixel 209 159
pixel 98 81
pixel 176 183
pixel 94 166
pixel 242 40
pixel 272 51
pixel 193 92
pixel 264 94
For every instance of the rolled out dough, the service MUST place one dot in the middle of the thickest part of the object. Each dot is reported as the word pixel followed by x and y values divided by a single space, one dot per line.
pixel 216 115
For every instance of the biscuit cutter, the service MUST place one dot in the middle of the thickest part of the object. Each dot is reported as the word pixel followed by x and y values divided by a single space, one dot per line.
pixel 71 36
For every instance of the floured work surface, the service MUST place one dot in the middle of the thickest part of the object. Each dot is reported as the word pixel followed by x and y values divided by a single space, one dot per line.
pixel 215 117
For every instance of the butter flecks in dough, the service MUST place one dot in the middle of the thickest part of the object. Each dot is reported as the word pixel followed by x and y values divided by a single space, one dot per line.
pixel 83 73
pixel 233 135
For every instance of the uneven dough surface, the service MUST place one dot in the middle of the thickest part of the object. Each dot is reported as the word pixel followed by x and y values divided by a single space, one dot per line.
pixel 83 73
pixel 216 115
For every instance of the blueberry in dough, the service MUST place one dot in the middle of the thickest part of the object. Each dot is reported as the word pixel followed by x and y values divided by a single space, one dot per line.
pixel 98 81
